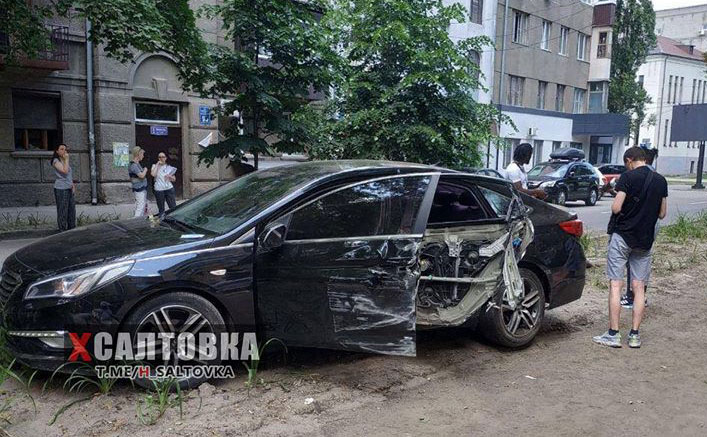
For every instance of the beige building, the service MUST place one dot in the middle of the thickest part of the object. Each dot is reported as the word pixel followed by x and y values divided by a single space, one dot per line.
pixel 687 25
pixel 44 103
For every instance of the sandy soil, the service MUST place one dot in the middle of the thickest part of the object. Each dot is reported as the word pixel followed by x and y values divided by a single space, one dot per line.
pixel 561 385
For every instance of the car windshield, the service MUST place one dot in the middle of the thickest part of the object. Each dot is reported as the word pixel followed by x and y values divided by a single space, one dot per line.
pixel 550 169
pixel 228 206
pixel 612 169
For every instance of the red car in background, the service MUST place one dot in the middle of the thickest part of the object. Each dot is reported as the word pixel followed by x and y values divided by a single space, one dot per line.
pixel 611 172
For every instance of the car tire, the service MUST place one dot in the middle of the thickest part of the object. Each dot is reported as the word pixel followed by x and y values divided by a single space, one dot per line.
pixel 562 197
pixel 494 323
pixel 591 200
pixel 173 303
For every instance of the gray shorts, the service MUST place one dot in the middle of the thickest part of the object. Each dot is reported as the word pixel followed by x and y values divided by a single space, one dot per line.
pixel 619 254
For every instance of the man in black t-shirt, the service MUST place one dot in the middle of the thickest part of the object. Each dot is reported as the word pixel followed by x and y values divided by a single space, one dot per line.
pixel 640 201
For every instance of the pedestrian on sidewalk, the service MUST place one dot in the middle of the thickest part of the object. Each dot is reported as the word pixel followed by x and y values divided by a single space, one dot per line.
pixel 164 175
pixel 641 199
pixel 64 189
pixel 138 179
pixel 627 299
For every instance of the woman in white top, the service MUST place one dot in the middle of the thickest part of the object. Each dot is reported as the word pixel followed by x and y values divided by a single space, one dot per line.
pixel 164 176
pixel 515 172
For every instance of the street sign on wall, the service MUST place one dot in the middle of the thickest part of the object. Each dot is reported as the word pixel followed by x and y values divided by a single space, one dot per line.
pixel 204 115
pixel 160 131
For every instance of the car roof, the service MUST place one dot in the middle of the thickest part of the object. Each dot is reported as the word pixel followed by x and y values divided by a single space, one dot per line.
pixel 317 169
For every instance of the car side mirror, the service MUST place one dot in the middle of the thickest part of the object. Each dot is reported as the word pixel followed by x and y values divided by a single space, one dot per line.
pixel 273 237
pixel 571 174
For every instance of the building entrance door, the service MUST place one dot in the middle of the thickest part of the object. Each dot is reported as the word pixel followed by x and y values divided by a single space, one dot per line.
pixel 161 138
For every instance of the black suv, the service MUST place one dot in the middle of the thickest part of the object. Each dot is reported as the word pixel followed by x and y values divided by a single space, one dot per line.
pixel 566 177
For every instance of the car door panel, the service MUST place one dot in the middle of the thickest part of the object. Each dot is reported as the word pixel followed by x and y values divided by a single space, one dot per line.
pixel 326 288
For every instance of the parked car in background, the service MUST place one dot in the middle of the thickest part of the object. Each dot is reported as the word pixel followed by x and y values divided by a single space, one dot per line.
pixel 603 186
pixel 353 255
pixel 612 172
pixel 485 172
pixel 566 177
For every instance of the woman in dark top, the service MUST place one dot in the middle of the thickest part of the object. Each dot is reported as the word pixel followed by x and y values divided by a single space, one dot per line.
pixel 64 189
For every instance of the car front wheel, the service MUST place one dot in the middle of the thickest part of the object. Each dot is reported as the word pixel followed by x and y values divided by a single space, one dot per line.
pixel 515 326
pixel 175 313
pixel 592 199
pixel 562 197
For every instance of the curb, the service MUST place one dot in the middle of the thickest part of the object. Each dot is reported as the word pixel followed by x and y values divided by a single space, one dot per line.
pixel 22 235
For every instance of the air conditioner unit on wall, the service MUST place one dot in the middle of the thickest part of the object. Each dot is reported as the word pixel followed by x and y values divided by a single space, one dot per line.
pixel 532 131
pixel 703 32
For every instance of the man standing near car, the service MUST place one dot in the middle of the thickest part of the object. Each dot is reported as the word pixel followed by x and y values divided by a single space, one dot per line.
pixel 641 199
pixel 515 171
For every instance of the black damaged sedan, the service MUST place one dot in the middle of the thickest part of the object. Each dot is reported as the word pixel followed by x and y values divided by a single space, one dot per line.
pixel 353 255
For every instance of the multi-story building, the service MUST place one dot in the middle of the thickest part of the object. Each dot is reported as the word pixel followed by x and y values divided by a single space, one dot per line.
pixel 44 103
pixel 481 22
pixel 673 74
pixel 687 25
pixel 552 68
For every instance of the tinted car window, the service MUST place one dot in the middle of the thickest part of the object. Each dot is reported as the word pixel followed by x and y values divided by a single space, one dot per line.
pixel 551 169
pixel 455 203
pixel 383 207
pixel 585 170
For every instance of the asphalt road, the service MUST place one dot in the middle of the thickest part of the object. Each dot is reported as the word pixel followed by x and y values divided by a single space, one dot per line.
pixel 681 200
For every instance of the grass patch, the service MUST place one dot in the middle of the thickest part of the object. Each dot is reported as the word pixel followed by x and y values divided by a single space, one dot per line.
pixel 164 394
pixel 686 228
pixel 20 222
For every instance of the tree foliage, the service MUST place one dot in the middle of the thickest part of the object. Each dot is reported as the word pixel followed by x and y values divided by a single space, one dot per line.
pixel 633 37
pixel 409 90
pixel 283 54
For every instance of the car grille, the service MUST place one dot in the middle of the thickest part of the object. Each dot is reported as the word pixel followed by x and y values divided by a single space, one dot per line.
pixel 9 282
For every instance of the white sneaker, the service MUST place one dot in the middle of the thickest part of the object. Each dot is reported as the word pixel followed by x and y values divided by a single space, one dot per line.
pixel 608 340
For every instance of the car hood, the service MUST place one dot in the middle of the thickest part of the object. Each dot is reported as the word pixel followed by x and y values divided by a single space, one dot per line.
pixel 104 242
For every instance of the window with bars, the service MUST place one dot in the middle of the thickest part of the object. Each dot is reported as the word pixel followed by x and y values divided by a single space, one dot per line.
pixel 515 90
pixel 520 27
pixel 547 32
pixel 564 39
pixel 476 11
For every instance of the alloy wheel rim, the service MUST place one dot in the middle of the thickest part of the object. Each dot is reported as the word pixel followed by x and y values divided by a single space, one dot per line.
pixel 524 316
pixel 593 196
pixel 174 319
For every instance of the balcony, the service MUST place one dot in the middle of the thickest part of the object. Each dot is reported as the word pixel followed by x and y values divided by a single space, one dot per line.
pixel 56 57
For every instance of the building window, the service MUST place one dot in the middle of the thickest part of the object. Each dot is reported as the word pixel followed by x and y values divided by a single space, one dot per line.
pixel 157 113
pixel 576 145
pixel 476 10
pixel 699 91
pixel 560 98
pixel 547 31
pixel 603 46
pixel 597 97
pixel 665 132
pixel 520 27
pixel 675 89
pixel 682 82
pixel 556 145
pixel 511 144
pixel 564 37
pixel 694 89
pixel 704 91
pixel 515 90
pixel 641 78
pixel 670 87
pixel 582 47
pixel 542 88
pixel 537 151
pixel 37 120
pixel 578 103
pixel 476 60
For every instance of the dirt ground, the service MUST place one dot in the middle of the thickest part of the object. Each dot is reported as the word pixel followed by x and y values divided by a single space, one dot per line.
pixel 561 385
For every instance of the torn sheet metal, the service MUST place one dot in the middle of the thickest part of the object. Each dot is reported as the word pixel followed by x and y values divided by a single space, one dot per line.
pixel 493 250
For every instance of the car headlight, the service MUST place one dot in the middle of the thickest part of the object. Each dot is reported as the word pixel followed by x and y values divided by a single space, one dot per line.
pixel 77 283
pixel 547 184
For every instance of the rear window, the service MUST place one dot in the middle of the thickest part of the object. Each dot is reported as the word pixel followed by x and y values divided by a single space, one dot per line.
pixel 499 203
pixel 455 203
pixel 551 169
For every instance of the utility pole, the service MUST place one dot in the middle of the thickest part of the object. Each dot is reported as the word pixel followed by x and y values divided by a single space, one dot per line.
pixel 700 164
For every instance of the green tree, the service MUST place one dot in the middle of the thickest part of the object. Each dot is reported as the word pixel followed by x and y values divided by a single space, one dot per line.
pixel 633 37
pixel 409 90
pixel 283 53
pixel 121 27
